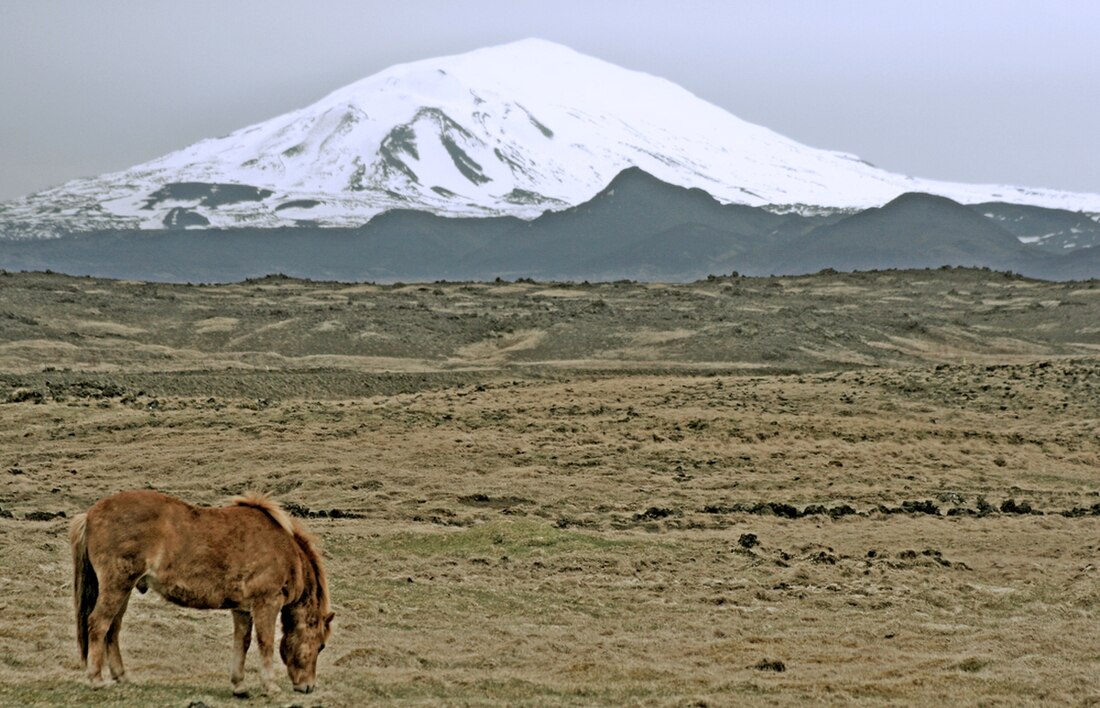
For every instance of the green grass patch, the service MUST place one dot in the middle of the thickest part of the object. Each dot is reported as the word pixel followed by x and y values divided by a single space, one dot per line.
pixel 11 661
pixel 515 539
pixel 972 664
pixel 79 693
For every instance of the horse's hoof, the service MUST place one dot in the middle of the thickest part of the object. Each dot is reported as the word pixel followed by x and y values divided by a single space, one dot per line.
pixel 241 692
pixel 101 683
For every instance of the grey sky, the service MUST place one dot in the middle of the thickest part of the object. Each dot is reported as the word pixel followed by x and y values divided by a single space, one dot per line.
pixel 969 90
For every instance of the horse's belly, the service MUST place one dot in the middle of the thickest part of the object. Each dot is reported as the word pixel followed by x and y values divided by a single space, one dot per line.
pixel 193 595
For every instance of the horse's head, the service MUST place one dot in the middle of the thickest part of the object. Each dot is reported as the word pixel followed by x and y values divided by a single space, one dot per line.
pixel 305 631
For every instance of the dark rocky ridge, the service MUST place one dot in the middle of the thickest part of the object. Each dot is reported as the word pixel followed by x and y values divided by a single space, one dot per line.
pixel 638 227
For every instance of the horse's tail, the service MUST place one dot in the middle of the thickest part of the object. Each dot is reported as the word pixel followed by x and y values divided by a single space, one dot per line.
pixel 85 582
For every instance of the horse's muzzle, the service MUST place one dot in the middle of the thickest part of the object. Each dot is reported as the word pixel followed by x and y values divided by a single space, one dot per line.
pixel 304 688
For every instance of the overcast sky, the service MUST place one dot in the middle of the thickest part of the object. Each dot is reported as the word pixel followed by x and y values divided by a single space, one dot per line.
pixel 999 91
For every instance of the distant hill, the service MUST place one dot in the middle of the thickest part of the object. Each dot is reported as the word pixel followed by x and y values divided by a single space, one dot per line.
pixel 1055 230
pixel 912 231
pixel 628 228
pixel 638 227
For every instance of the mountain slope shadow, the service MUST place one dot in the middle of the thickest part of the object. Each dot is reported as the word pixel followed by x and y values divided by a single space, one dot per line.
pixel 912 231
pixel 1056 231
pixel 608 233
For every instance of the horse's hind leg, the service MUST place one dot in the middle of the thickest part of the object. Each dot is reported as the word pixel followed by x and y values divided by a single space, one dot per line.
pixel 114 650
pixel 108 607
pixel 242 638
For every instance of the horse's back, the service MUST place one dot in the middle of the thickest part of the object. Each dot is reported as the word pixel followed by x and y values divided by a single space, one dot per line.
pixel 128 516
pixel 239 529
pixel 136 505
pixel 127 527
pixel 194 556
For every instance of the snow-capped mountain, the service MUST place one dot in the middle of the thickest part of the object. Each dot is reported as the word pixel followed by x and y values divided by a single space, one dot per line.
pixel 511 130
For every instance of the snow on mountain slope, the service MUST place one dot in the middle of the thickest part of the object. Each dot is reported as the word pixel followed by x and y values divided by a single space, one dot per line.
pixel 515 129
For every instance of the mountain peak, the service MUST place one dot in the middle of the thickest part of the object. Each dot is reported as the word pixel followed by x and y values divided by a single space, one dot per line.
pixel 933 210
pixel 911 200
pixel 911 231
pixel 637 184
pixel 529 46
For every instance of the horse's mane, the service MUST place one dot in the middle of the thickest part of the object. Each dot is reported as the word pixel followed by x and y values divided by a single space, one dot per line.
pixel 269 506
pixel 306 541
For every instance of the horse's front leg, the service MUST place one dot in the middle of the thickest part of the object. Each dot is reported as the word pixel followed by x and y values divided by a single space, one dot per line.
pixel 264 613
pixel 242 638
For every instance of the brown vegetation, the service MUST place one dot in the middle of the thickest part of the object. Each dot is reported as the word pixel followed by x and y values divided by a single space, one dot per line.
pixel 851 489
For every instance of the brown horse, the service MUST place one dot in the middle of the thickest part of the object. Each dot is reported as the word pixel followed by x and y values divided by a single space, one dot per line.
pixel 250 557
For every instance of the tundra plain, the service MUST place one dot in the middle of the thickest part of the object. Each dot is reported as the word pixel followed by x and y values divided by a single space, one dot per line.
pixel 841 488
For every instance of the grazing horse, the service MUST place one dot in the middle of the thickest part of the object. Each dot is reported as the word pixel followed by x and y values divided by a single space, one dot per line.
pixel 250 557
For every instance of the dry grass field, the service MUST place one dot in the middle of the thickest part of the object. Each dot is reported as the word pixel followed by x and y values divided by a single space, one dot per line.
pixel 871 488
